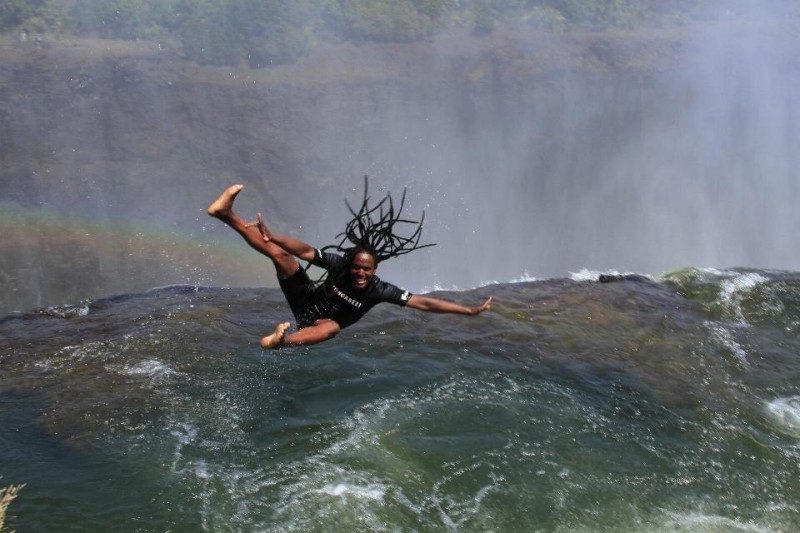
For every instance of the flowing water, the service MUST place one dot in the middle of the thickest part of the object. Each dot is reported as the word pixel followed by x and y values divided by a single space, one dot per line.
pixel 573 405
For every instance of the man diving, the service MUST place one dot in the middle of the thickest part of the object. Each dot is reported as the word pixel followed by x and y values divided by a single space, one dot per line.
pixel 350 288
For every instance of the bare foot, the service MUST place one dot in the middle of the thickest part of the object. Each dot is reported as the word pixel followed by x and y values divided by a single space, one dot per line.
pixel 223 206
pixel 275 340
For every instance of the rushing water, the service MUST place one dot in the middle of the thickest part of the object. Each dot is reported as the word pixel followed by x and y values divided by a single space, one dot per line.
pixel 574 405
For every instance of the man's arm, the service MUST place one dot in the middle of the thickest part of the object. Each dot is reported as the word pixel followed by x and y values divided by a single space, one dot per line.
pixel 435 305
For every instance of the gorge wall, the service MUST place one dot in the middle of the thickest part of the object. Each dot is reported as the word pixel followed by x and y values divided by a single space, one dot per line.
pixel 531 154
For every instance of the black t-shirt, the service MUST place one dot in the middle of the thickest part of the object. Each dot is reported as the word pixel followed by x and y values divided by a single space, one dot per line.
pixel 338 300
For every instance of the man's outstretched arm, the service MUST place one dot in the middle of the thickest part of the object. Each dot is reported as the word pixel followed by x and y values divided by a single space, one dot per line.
pixel 435 305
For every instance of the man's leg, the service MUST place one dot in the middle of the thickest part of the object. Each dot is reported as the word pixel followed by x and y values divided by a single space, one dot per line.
pixel 222 208
pixel 285 266
pixel 322 330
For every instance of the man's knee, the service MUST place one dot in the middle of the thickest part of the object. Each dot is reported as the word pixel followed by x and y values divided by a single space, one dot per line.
pixel 283 255
pixel 329 327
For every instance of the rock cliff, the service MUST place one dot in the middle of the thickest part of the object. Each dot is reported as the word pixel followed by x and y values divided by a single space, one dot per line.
pixel 111 151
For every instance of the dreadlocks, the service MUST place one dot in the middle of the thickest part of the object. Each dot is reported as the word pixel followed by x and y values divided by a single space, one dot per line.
pixel 372 229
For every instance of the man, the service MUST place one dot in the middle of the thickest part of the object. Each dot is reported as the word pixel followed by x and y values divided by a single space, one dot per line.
pixel 349 291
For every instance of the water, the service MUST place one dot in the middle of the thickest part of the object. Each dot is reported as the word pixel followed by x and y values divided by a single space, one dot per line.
pixel 669 405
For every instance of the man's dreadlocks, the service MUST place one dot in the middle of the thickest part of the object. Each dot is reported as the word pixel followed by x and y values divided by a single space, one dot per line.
pixel 373 230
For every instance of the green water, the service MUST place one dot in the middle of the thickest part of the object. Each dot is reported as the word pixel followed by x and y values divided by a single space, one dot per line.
pixel 571 406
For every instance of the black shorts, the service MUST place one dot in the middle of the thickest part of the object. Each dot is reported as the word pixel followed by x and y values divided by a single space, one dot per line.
pixel 299 290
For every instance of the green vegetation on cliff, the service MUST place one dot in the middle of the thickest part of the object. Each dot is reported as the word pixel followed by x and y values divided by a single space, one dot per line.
pixel 260 33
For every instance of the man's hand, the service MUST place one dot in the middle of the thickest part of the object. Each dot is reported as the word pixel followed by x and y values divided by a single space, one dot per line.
pixel 262 228
pixel 483 307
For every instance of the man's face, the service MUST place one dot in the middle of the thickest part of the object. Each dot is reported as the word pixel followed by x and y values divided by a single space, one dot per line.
pixel 362 268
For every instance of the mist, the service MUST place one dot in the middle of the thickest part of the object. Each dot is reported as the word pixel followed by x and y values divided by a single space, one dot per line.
pixel 533 155
pixel 691 166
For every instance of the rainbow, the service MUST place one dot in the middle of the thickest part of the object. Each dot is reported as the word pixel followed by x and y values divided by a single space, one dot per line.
pixel 51 257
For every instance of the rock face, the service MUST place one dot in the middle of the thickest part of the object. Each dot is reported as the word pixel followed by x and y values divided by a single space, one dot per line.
pixel 110 152
pixel 123 121
pixel 107 146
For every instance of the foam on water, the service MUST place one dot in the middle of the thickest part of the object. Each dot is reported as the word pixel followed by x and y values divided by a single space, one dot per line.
pixel 353 479
pixel 154 369
pixel 183 435
pixel 525 277
pixel 89 350
pixel 367 471
pixel 67 311
pixel 708 523
pixel 358 492
pixel 735 288
pixel 785 412
pixel 726 338
pixel 71 355
pixel 698 520
pixel 586 274
pixel 329 473
pixel 737 284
